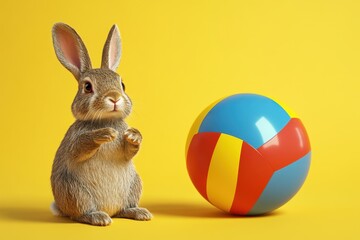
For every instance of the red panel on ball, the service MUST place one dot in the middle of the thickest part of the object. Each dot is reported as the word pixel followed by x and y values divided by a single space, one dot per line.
pixel 289 145
pixel 253 176
pixel 198 159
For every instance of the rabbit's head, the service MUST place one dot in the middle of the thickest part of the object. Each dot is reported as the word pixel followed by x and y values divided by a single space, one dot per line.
pixel 101 93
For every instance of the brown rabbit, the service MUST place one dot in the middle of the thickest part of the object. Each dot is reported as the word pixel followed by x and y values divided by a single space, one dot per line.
pixel 93 177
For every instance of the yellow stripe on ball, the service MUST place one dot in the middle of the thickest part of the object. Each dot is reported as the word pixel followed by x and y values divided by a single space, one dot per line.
pixel 223 172
pixel 289 111
pixel 195 127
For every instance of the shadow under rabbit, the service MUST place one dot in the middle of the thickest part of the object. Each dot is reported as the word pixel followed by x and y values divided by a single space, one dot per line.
pixel 30 214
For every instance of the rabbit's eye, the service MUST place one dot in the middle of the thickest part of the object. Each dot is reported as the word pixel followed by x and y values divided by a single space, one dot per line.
pixel 88 87
pixel 123 85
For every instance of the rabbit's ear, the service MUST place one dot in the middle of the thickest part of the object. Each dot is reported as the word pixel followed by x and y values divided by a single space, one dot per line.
pixel 70 49
pixel 112 50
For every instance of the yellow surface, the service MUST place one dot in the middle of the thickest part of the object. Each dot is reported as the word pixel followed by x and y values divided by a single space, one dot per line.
pixel 179 57
pixel 223 172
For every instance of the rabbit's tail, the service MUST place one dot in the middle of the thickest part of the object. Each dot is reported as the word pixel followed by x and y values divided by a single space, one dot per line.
pixel 55 210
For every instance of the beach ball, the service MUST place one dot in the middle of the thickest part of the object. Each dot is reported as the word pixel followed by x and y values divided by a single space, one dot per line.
pixel 247 155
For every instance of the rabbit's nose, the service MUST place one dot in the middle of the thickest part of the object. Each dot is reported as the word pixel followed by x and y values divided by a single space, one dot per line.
pixel 114 96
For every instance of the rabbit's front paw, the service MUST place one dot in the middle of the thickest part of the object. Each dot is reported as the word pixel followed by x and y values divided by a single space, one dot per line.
pixel 133 136
pixel 104 135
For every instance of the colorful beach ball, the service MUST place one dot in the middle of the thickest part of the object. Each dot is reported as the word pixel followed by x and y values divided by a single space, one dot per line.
pixel 247 155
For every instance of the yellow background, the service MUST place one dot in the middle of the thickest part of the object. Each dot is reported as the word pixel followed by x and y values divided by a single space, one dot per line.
pixel 178 57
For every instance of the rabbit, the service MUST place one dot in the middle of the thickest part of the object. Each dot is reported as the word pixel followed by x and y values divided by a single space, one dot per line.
pixel 93 177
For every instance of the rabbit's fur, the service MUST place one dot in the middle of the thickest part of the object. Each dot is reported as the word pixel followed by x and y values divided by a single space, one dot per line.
pixel 93 177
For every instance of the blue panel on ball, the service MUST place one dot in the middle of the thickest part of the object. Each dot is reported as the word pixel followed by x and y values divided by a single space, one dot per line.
pixel 282 186
pixel 253 118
